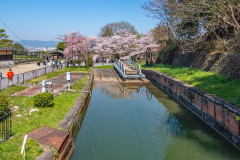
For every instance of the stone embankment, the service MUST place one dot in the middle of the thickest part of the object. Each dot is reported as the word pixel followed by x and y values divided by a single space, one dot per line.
pixel 70 123
pixel 6 64
pixel 222 63
pixel 217 113
pixel 73 118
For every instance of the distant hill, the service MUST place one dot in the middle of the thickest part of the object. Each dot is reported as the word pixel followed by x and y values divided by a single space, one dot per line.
pixel 38 44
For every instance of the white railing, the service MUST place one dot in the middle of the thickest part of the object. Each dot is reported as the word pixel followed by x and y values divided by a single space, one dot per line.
pixel 22 77
pixel 134 65
pixel 120 67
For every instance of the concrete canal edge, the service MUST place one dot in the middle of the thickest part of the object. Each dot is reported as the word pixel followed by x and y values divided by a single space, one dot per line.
pixel 217 113
pixel 73 118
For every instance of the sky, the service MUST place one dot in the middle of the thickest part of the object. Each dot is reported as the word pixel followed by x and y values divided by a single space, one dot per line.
pixel 46 19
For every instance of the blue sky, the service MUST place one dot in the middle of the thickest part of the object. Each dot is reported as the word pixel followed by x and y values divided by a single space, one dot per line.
pixel 45 19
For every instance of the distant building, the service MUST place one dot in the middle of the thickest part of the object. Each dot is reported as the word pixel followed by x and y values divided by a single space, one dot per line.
pixel 57 54
pixel 43 49
pixel 6 54
pixel 6 57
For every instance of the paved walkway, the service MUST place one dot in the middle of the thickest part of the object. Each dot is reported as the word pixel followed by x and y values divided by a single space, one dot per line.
pixel 21 68
pixel 110 75
pixel 129 69
pixel 59 84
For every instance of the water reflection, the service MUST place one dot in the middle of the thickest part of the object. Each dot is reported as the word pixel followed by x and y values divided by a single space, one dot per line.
pixel 142 122
pixel 122 91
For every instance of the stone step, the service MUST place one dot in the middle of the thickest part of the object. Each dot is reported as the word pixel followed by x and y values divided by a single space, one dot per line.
pixel 131 72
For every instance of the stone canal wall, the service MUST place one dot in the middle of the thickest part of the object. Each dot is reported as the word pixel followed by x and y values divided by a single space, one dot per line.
pixel 217 113
pixel 74 117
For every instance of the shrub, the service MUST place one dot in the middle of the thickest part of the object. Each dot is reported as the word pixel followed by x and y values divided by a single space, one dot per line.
pixel 44 99
pixel 3 102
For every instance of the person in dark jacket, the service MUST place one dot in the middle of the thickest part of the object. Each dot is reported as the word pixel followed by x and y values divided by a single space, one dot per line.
pixel 38 64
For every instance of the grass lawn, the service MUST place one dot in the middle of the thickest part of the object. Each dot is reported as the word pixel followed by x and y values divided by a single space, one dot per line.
pixel 48 117
pixel 13 89
pixel 27 57
pixel 57 73
pixel 105 67
pixel 221 86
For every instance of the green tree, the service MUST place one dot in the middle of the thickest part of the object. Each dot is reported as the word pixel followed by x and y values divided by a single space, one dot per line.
pixel 18 48
pixel 61 46
pixel 4 42
pixel 112 28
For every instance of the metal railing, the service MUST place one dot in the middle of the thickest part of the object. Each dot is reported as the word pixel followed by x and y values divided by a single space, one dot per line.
pixel 120 67
pixel 5 124
pixel 134 65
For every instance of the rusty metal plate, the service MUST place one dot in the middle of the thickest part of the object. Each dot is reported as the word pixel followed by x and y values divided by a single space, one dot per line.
pixel 49 137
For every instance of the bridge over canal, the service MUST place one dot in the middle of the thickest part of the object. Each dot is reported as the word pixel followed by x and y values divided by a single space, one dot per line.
pixel 128 69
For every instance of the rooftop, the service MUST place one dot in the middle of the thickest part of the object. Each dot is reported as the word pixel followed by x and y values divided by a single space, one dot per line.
pixel 7 48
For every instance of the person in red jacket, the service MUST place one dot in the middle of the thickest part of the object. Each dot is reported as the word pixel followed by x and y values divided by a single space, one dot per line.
pixel 10 77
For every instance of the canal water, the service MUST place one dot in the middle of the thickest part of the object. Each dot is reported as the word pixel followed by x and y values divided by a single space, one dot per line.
pixel 144 123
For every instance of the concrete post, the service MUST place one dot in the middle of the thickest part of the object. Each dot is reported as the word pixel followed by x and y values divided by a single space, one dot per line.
pixel 43 85
pixel 68 76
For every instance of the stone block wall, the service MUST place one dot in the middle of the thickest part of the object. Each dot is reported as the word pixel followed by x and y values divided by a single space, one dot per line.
pixel 215 112
pixel 7 64
pixel 22 77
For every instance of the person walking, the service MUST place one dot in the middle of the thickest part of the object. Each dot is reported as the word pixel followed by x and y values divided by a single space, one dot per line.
pixel 53 64
pixel 44 63
pixel 38 64
pixel 57 63
pixel 0 72
pixel 60 63
pixel 10 77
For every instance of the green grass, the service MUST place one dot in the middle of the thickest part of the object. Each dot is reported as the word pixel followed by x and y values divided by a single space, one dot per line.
pixel 13 89
pixel 79 84
pixel 57 73
pixel 48 117
pixel 27 57
pixel 105 67
pixel 213 83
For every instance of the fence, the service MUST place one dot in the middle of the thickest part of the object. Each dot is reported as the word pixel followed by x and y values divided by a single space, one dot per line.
pixel 22 77
pixel 5 124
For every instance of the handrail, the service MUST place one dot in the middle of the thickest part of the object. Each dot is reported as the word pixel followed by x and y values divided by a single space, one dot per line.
pixel 122 71
pixel 119 65
pixel 134 65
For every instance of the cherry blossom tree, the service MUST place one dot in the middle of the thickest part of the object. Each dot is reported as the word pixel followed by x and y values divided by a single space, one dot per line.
pixel 145 42
pixel 77 45
pixel 121 43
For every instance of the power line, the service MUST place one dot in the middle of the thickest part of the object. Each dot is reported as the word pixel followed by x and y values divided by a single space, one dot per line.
pixel 15 33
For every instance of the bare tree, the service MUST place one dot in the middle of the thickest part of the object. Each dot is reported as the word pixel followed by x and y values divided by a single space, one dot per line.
pixel 197 22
